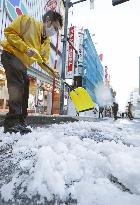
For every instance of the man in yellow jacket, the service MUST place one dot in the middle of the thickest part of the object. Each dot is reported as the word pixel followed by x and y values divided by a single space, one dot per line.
pixel 26 40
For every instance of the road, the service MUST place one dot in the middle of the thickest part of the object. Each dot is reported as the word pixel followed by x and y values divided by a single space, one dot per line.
pixel 86 162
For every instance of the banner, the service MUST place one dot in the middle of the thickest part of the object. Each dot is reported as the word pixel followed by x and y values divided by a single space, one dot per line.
pixel 80 52
pixel 70 64
pixel 101 57
pixel 106 76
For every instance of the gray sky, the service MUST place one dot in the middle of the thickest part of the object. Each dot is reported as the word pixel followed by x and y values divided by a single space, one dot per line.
pixel 117 33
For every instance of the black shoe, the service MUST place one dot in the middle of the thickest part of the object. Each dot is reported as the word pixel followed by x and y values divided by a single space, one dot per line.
pixel 25 129
pixel 23 124
pixel 11 130
pixel 17 128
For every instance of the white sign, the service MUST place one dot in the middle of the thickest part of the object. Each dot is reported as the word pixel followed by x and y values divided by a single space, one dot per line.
pixel 80 54
pixel 53 5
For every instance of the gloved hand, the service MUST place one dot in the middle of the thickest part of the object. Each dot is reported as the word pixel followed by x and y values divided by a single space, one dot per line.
pixel 55 72
pixel 30 52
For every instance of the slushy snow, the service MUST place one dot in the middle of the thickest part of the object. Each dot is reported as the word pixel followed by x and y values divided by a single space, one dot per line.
pixel 78 159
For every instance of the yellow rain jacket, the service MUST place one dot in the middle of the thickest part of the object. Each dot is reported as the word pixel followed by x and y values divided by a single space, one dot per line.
pixel 23 33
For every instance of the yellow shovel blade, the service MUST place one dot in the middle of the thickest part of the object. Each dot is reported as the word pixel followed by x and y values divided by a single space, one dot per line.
pixel 81 99
pixel 76 101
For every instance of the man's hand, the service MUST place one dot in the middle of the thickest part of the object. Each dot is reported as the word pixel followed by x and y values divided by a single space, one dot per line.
pixel 30 52
pixel 56 74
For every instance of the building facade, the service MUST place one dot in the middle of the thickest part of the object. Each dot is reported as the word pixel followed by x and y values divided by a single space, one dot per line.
pixel 134 98
pixel 40 82
pixel 93 73
pixel 83 65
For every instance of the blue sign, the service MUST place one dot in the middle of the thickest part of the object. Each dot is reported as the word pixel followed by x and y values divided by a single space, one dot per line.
pixel 15 8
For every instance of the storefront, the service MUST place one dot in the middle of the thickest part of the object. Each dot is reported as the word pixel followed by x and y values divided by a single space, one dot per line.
pixel 3 90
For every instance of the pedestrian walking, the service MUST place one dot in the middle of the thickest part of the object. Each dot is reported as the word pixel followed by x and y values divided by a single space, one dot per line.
pixel 115 108
pixel 130 116
pixel 101 109
pixel 25 36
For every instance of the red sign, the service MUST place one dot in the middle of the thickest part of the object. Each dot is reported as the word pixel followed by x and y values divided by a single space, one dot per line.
pixel 70 50
pixel 101 57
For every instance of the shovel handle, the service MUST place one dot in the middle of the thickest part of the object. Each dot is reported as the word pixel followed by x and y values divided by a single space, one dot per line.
pixel 40 60
pixel 69 86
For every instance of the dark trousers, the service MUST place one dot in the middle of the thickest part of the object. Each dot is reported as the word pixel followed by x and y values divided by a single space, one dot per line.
pixel 18 88
pixel 130 116
pixel 115 114
pixel 101 113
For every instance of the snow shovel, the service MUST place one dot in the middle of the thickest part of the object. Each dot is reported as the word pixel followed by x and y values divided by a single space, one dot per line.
pixel 79 96
pixel 81 99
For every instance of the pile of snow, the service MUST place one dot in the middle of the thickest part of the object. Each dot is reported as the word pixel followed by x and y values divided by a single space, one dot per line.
pixel 76 159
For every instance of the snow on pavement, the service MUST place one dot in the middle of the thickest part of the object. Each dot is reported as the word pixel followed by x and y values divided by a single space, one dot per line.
pixel 75 158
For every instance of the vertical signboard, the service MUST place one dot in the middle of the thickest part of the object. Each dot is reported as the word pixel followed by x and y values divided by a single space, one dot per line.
pixel 70 63
pixel 106 76
pixel 80 53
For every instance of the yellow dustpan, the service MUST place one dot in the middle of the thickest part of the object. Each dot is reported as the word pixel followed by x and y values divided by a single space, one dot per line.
pixel 79 96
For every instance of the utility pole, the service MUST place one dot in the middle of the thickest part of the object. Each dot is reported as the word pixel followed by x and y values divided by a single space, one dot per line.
pixel 67 5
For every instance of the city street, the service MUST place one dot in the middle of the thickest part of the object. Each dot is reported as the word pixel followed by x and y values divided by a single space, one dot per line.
pixel 84 163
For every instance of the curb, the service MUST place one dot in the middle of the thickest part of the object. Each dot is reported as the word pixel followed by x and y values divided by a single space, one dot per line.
pixel 43 119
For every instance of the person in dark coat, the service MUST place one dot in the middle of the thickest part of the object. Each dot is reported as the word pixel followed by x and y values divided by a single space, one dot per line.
pixel 115 110
pixel 101 109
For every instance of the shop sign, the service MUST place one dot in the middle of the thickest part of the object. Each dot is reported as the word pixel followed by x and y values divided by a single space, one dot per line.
pixel 53 5
pixel 70 66
pixel 80 54
pixel 15 8
pixel 106 75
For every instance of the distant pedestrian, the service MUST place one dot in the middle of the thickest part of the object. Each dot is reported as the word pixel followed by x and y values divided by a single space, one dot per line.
pixel 115 108
pixel 95 110
pixel 101 109
pixel 109 110
pixel 130 116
